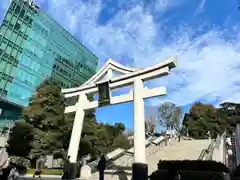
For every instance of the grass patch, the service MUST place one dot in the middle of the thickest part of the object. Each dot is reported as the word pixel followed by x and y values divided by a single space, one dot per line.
pixel 47 171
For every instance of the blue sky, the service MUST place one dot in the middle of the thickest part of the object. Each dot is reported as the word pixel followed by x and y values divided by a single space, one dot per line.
pixel 204 34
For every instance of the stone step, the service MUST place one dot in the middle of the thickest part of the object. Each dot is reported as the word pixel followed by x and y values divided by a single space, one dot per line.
pixel 185 149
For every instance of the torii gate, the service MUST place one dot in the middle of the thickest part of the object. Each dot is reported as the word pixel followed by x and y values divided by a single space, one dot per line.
pixel 103 82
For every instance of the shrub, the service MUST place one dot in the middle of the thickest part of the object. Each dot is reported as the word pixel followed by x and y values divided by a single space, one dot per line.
pixel 190 170
pixel 188 175
pixel 236 172
pixel 195 165
pixel 21 168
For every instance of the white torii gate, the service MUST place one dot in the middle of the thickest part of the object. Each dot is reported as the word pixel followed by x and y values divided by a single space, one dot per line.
pixel 104 80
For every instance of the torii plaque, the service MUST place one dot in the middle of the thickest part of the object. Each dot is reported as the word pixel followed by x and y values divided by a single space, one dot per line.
pixel 99 83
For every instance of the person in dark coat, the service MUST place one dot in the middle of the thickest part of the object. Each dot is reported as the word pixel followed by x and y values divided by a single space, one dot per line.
pixel 5 172
pixel 179 137
pixel 66 169
pixel 165 139
pixel 101 167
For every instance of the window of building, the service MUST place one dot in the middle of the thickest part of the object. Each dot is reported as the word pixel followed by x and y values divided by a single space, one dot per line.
pixel 9 49
pixel 13 37
pixel 13 71
pixel 17 26
pixel 3 30
pixel 19 40
pixel 2 65
pixel 18 56
pixel 8 69
pixel 39 53
pixel 26 18
pixel 13 20
pixel 35 67
pixel 22 13
pixel 8 17
pixel 3 45
pixel 8 34
pixel 8 86
pixel 17 9
pixel 23 27
pixel 22 75
pixel 30 21
pixel 2 83
pixel 12 6
pixel 14 53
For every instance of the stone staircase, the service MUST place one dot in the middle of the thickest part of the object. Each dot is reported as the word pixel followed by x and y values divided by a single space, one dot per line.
pixel 182 150
pixel 186 149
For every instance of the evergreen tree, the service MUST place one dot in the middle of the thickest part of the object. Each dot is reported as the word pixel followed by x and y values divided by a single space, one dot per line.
pixel 21 137
pixel 47 130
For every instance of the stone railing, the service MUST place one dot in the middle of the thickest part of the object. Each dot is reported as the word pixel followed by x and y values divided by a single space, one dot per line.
pixel 219 152
pixel 216 151
pixel 206 154
pixel 120 160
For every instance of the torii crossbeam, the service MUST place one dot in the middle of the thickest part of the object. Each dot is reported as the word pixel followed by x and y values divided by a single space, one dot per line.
pixel 105 78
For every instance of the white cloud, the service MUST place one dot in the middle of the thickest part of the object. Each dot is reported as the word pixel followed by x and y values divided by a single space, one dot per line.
pixel 164 5
pixel 208 66
pixel 200 7
pixel 209 63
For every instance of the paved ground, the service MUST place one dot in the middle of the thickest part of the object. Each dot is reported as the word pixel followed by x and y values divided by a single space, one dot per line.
pixel 28 178
pixel 177 151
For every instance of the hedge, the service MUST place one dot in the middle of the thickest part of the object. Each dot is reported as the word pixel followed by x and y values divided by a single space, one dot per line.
pixel 189 175
pixel 190 170
pixel 195 165
pixel 236 172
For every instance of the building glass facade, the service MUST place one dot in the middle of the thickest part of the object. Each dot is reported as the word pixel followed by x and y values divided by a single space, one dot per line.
pixel 33 47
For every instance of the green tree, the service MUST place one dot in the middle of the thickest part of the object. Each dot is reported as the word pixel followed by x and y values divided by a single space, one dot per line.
pixel 120 141
pixel 227 114
pixel 46 114
pixel 48 129
pixel 21 137
pixel 205 117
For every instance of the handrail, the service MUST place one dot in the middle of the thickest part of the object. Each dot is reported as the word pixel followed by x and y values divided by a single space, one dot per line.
pixel 202 154
pixel 206 154
pixel 220 149
pixel 225 149
pixel 111 161
pixel 216 147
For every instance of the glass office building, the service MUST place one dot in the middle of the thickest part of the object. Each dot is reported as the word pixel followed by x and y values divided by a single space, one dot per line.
pixel 33 47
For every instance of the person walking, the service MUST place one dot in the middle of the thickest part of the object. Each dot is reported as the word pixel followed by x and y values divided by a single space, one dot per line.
pixel 101 167
pixel 13 175
pixel 179 137
pixel 38 170
pixel 66 169
pixel 165 139
pixel 5 172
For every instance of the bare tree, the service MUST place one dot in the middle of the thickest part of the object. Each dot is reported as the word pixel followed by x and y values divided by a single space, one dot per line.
pixel 169 115
pixel 150 119
pixel 176 118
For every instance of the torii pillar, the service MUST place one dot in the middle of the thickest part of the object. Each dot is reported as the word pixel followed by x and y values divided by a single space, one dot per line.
pixel 96 84
pixel 139 167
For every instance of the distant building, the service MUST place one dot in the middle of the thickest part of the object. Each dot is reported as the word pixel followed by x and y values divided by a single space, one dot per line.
pixel 33 47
